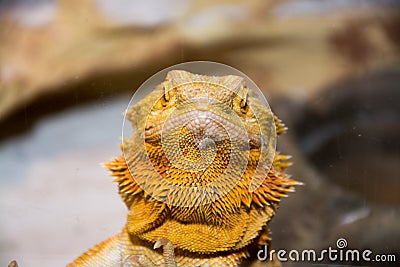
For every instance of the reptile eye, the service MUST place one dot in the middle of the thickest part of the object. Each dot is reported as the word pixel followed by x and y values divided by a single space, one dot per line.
pixel 244 105
pixel 166 96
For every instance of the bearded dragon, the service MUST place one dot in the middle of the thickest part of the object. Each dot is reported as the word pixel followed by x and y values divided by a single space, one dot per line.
pixel 200 176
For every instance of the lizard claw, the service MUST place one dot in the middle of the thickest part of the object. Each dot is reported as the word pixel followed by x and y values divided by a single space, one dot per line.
pixel 161 242
pixel 142 261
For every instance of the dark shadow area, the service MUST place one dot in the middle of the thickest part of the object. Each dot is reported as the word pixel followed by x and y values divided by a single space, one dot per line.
pixel 350 132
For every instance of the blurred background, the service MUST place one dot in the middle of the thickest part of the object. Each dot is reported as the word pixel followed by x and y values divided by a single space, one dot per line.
pixel 329 69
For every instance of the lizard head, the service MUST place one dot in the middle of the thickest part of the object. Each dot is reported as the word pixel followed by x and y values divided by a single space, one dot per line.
pixel 198 119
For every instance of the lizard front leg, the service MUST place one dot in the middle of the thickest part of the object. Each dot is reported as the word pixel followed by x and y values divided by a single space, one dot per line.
pixel 168 255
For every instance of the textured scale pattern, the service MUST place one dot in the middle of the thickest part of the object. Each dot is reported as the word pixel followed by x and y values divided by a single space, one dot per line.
pixel 182 179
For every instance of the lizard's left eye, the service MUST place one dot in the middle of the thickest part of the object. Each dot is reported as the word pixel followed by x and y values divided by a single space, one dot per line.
pixel 244 104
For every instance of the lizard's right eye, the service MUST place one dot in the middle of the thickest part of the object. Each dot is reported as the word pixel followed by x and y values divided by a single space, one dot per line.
pixel 166 96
